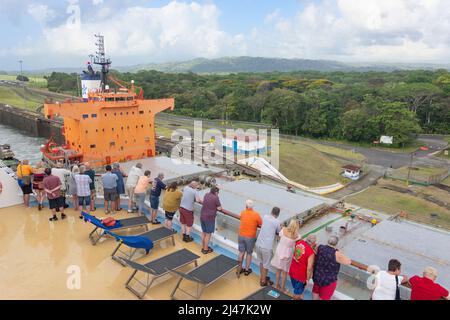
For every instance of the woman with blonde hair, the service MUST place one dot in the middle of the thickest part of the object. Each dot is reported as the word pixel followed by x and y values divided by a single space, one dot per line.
pixel 38 187
pixel 283 254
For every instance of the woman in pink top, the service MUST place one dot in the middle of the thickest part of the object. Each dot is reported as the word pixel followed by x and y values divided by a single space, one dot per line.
pixel 283 254
pixel 141 190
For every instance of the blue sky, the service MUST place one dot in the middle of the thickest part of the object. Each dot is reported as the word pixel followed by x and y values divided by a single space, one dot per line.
pixel 59 33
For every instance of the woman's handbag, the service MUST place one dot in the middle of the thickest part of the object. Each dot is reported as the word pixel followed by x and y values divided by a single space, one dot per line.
pixel 397 291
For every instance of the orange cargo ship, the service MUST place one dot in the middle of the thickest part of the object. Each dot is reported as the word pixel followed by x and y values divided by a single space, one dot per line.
pixel 109 125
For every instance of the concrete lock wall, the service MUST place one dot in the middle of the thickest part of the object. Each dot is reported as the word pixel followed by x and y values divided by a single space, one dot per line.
pixel 33 123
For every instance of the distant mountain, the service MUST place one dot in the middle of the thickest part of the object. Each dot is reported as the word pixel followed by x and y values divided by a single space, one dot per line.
pixel 258 64
pixel 242 64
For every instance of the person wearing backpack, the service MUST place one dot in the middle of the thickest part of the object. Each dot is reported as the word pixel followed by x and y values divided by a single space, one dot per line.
pixel 387 282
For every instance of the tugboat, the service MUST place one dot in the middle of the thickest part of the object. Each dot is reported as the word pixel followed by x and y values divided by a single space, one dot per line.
pixel 8 157
pixel 107 125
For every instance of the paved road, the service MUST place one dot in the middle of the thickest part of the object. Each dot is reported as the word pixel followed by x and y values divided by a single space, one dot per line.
pixel 397 160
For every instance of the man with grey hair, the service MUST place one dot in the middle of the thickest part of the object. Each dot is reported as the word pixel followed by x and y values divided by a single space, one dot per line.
pixel 425 288
pixel 190 196
pixel 250 220
pixel 326 269
pixel 83 182
pixel 132 180
pixel 302 265
pixel 63 175
pixel 157 186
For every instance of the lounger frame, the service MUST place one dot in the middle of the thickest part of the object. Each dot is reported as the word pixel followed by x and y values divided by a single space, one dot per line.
pixel 129 254
pixel 151 274
pixel 98 232
pixel 201 285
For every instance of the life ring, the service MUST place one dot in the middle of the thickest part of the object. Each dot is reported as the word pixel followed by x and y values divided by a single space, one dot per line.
pixel 53 147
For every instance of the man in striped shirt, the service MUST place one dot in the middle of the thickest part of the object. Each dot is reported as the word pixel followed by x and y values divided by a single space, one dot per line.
pixel 83 182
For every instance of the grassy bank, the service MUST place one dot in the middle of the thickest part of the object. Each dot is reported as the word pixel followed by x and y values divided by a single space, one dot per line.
pixel 21 98
pixel 379 199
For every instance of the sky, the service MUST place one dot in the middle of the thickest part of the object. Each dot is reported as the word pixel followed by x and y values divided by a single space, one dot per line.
pixel 60 33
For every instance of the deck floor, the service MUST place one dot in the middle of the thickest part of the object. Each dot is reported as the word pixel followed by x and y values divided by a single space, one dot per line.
pixel 36 256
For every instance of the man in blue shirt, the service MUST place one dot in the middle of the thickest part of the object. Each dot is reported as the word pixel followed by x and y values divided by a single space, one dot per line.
pixel 110 189
pixel 155 193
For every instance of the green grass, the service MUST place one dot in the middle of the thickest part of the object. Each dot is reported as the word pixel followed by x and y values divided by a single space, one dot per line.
pixel 306 165
pixel 421 175
pixel 446 182
pixel 343 153
pixel 15 97
pixel 391 202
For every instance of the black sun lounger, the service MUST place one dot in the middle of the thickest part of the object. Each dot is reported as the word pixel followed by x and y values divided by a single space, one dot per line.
pixel 268 293
pixel 206 274
pixel 134 244
pixel 121 224
pixel 158 268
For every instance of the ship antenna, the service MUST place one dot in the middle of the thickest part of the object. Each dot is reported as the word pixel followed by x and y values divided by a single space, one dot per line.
pixel 100 59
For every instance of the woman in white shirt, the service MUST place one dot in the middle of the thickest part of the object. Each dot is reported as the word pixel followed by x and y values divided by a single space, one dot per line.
pixel 387 282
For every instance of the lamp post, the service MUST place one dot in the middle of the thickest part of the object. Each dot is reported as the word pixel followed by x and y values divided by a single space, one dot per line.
pixel 21 79
pixel 410 167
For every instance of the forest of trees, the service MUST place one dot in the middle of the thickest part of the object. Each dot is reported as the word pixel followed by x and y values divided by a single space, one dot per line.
pixel 354 106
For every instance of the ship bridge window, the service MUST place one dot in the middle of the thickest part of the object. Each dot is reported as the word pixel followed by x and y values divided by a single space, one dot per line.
pixel 85 116
pixel 109 99
pixel 141 112
pixel 129 98
pixel 120 99
pixel 92 146
pixel 94 115
pixel 112 143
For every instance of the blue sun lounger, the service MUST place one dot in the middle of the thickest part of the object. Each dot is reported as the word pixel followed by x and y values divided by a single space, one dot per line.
pixel 143 241
pixel 100 230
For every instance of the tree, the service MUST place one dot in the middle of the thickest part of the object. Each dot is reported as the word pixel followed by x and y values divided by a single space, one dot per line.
pixel 315 123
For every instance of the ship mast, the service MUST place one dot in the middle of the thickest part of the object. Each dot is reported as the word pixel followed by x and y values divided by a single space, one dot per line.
pixel 101 59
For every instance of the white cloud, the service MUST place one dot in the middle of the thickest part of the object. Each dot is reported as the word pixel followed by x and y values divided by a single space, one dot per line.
pixel 177 29
pixel 40 12
pixel 371 30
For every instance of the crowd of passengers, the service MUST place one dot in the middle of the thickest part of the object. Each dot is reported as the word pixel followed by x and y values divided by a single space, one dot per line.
pixel 301 258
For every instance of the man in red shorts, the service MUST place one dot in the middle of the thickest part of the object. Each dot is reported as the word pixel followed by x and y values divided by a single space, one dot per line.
pixel 190 195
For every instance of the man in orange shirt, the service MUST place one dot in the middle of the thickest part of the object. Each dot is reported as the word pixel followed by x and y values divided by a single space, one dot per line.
pixel 250 221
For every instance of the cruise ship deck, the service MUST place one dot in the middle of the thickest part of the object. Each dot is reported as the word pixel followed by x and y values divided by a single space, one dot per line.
pixel 37 258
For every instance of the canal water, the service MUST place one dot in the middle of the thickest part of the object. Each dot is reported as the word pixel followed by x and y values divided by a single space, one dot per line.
pixel 23 146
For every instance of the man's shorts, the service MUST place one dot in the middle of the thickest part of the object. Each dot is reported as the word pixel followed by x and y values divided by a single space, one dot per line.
pixel 84 200
pixel 208 226
pixel 27 189
pixel 325 293
pixel 246 244
pixel 130 192
pixel 299 287
pixel 110 194
pixel 186 217
pixel 264 256
pixel 56 203
pixel 154 202
pixel 169 215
